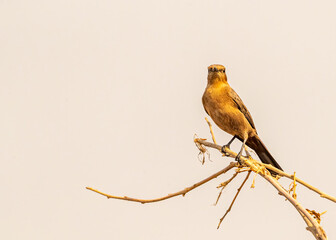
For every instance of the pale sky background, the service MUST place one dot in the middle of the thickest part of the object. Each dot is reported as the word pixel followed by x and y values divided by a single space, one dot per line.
pixel 107 94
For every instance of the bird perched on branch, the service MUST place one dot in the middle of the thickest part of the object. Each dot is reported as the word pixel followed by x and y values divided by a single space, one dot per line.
pixel 230 114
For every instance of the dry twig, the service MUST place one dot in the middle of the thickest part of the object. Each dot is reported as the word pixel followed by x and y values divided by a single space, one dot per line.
pixel 283 174
pixel 234 199
pixel 292 187
pixel 182 192
pixel 224 184
pixel 202 150
pixel 210 127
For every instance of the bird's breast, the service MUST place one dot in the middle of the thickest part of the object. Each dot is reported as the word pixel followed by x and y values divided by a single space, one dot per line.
pixel 219 105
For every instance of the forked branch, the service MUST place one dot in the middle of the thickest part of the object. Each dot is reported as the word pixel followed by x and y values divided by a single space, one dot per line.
pixel 234 199
pixel 313 226
pixel 310 217
pixel 203 142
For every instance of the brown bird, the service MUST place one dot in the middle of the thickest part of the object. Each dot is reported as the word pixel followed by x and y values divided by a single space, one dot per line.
pixel 228 111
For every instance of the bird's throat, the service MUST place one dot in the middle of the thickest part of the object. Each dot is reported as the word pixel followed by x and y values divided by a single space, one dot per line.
pixel 216 79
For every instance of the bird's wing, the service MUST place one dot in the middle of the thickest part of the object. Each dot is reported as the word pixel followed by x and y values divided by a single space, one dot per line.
pixel 241 106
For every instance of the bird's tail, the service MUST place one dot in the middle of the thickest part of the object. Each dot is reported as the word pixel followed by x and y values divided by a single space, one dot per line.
pixel 258 146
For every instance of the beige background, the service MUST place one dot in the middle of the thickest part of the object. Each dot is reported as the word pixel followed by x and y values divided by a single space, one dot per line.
pixel 107 94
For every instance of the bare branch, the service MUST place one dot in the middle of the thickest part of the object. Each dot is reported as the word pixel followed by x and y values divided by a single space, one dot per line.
pixel 268 166
pixel 313 227
pixel 311 217
pixel 182 192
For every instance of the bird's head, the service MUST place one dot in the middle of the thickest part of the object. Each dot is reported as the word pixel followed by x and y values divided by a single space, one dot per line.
pixel 216 72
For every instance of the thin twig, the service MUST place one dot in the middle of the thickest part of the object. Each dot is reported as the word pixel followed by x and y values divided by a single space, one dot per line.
pixel 234 199
pixel 182 192
pixel 212 134
pixel 314 189
pixel 253 182
pixel 224 184
pixel 292 187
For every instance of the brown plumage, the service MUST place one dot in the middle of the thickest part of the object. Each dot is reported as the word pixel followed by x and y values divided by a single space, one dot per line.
pixel 228 111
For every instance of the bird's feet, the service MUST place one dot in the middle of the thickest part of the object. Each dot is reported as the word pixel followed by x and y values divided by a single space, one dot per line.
pixel 238 158
pixel 227 146
pixel 248 155
pixel 223 150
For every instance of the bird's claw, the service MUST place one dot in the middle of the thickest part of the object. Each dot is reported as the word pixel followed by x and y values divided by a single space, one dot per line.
pixel 238 159
pixel 223 150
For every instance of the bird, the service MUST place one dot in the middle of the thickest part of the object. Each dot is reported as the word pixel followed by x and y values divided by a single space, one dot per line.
pixel 228 111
